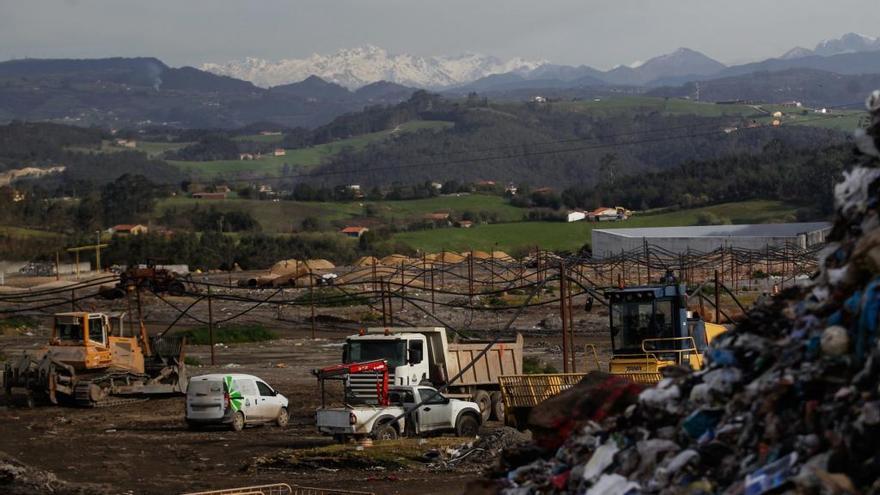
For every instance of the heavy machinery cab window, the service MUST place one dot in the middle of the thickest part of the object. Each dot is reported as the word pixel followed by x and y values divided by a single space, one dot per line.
pixel 634 321
pixel 393 351
pixel 69 331
pixel 97 332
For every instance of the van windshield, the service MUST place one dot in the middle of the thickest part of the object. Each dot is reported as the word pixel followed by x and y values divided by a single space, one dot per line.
pixel 393 351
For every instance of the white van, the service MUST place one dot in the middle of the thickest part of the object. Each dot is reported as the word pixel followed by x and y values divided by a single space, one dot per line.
pixel 233 399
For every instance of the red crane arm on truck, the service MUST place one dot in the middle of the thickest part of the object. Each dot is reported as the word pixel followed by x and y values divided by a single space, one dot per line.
pixel 378 366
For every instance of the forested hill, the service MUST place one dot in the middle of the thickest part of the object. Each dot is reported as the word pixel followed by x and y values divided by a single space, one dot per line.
pixel 557 145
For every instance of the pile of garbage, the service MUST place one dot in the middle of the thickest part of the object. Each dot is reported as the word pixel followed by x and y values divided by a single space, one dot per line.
pixel 480 453
pixel 788 402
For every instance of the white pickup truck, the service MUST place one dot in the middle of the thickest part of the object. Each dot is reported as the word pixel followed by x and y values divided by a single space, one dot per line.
pixel 434 414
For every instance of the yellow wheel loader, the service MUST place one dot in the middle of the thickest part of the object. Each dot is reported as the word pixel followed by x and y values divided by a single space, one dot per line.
pixel 90 363
pixel 651 329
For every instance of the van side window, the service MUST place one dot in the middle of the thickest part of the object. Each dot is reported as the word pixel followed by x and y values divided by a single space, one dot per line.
pixel 265 391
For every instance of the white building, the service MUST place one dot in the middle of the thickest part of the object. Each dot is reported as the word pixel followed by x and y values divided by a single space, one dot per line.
pixel 576 216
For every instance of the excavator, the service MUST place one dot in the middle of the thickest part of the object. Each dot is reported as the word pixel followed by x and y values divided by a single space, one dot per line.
pixel 89 362
pixel 650 329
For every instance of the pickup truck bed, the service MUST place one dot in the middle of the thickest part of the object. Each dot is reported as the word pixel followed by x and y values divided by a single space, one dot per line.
pixel 358 420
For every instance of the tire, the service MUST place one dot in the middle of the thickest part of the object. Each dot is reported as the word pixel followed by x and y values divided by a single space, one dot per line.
pixel 176 288
pixel 467 426
pixel 481 397
pixel 497 406
pixel 283 418
pixel 385 431
pixel 238 421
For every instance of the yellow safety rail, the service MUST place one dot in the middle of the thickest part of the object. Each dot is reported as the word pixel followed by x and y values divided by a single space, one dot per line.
pixel 279 489
pixel 694 358
pixel 531 390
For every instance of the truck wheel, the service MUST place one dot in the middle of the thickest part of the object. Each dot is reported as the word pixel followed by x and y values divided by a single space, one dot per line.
pixel 481 397
pixel 467 426
pixel 497 405
pixel 283 418
pixel 238 421
pixel 385 432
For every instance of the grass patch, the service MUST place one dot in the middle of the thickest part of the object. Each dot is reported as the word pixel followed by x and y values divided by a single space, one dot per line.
pixel 393 454
pixel 230 334
pixel 192 361
pixel 534 366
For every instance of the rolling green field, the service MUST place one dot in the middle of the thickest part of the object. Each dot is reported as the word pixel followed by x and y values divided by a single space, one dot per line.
pixel 153 149
pixel 669 106
pixel 284 216
pixel 260 138
pixel 572 236
pixel 25 233
pixel 299 159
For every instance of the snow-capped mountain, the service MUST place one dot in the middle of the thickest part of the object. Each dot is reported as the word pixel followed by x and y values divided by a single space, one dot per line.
pixel 357 67
pixel 848 43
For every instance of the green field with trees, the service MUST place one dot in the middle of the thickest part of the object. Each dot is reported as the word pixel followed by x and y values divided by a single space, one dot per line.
pixel 516 237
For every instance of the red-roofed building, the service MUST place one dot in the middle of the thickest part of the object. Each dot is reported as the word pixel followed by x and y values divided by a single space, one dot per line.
pixel 355 232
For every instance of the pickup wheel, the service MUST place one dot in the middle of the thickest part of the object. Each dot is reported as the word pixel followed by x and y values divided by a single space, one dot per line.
pixel 481 397
pixel 283 418
pixel 467 426
pixel 385 431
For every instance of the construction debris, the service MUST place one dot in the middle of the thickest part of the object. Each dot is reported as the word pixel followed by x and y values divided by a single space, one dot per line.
pixel 788 402
pixel 18 478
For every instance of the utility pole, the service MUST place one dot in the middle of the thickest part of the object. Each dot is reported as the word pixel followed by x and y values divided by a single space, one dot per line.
pixel 384 311
pixel 98 252
pixel 57 266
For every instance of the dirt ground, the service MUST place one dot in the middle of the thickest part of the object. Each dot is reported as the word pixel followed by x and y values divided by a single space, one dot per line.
pixel 145 447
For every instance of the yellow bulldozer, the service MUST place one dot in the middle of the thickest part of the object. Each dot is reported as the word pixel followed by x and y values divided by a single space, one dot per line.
pixel 651 329
pixel 89 362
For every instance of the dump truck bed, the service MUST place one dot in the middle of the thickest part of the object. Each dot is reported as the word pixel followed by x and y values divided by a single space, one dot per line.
pixel 504 358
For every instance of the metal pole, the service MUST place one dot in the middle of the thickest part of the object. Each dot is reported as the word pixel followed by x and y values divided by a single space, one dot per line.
pixel 77 265
pixel 312 301
pixel 717 299
pixel 73 299
pixel 432 288
pixel 98 252
pixel 384 311
pixel 57 266
pixel 402 287
pixel 564 317
pixel 390 306
pixel 572 347
pixel 210 323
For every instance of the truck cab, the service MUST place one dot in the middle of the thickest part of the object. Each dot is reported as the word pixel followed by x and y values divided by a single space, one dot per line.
pixel 403 352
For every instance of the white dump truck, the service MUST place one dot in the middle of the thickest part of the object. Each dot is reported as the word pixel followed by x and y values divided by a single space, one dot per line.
pixel 424 356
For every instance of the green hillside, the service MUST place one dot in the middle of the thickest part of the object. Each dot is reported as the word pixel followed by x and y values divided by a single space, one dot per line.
pixel 298 159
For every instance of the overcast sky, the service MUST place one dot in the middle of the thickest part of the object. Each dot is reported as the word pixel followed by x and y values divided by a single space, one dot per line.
pixel 601 33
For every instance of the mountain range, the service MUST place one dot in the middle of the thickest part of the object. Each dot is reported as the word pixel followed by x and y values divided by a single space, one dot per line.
pixel 357 67
pixel 353 68
pixel 141 92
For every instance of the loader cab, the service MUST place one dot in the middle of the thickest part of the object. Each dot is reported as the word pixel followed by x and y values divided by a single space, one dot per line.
pixel 651 329
pixel 76 329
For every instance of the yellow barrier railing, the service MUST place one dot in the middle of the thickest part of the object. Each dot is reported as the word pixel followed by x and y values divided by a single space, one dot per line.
pixel 680 353
pixel 279 489
pixel 531 390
